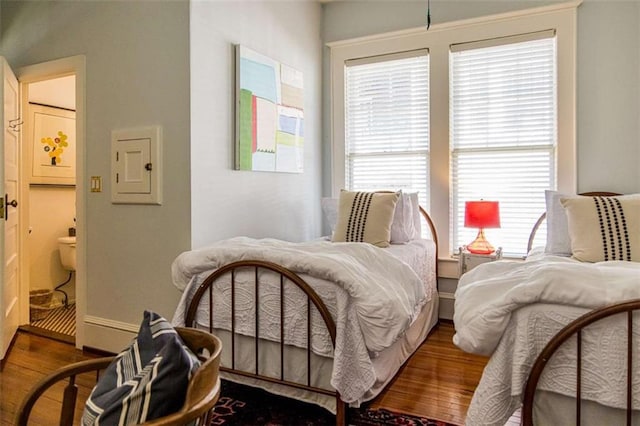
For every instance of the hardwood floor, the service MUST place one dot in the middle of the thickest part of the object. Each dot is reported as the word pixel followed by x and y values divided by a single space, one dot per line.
pixel 437 382
pixel 31 358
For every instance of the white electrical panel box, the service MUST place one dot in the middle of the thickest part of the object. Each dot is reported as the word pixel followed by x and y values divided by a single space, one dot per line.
pixel 136 166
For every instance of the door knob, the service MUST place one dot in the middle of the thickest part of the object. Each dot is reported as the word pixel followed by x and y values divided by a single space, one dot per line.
pixel 13 203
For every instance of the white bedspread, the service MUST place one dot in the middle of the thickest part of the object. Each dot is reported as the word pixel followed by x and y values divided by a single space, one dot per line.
pixel 510 310
pixel 487 295
pixel 375 301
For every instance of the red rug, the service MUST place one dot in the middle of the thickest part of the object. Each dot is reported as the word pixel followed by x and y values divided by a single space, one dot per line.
pixel 244 405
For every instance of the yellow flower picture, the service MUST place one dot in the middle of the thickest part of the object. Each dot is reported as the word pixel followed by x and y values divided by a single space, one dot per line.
pixel 55 147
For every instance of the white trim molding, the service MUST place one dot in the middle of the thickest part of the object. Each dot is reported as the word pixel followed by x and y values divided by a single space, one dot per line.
pixel 107 334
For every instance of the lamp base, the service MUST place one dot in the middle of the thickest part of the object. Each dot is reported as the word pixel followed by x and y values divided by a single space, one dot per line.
pixel 480 245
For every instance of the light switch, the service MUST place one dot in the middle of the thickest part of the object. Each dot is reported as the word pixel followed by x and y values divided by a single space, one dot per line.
pixel 136 166
pixel 96 183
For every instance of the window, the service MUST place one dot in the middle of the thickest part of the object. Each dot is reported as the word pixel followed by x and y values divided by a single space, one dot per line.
pixel 503 118
pixel 387 123
pixel 511 149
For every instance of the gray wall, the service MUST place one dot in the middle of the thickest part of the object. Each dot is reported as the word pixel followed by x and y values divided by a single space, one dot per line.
pixel 137 67
pixel 226 202
pixel 608 93
pixel 171 63
pixel 608 80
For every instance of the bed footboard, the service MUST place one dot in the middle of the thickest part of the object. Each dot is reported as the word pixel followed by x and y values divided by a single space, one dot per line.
pixel 286 278
pixel 575 328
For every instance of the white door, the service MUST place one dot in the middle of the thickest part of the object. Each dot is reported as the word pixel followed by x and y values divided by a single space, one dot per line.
pixel 9 157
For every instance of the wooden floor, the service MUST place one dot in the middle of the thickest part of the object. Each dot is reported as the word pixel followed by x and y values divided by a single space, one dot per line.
pixel 437 382
pixel 29 360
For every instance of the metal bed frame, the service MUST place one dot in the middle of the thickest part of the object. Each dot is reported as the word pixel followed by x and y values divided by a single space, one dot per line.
pixel 286 276
pixel 575 328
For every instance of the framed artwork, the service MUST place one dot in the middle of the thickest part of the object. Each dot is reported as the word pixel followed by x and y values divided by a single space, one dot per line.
pixel 269 114
pixel 53 145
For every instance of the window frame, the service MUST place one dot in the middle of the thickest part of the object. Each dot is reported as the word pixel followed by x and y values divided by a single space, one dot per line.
pixel 559 17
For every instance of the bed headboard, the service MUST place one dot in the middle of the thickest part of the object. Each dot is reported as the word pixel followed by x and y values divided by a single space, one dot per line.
pixel 542 217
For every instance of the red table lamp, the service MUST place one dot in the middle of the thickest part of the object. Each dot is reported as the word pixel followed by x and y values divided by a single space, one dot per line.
pixel 481 214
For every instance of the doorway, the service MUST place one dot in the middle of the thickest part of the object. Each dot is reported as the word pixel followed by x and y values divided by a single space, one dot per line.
pixel 53 209
pixel 48 159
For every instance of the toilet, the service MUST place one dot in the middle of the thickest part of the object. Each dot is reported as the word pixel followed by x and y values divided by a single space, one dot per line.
pixel 67 247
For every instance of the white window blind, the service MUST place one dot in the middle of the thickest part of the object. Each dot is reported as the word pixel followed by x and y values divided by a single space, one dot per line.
pixel 387 123
pixel 503 134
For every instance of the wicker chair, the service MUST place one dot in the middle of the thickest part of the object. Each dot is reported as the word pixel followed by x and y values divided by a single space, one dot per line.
pixel 202 392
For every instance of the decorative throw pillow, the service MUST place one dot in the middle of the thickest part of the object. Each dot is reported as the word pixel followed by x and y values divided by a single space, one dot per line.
pixel 604 228
pixel 558 241
pixel 147 380
pixel 365 217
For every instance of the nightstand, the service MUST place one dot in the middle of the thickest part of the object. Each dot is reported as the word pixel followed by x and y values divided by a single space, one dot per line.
pixel 467 261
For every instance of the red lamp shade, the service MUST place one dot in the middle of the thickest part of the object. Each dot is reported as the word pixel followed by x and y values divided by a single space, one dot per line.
pixel 481 214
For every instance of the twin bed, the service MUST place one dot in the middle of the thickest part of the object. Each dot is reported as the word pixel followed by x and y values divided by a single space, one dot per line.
pixel 512 309
pixel 332 322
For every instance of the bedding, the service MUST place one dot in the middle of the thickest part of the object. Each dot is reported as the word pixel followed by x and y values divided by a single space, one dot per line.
pixel 377 299
pixel 511 309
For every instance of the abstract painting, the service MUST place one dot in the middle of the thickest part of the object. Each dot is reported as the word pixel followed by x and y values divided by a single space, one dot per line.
pixel 269 114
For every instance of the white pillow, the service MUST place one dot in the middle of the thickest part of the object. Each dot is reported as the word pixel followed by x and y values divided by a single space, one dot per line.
pixel 330 210
pixel 604 228
pixel 558 240
pixel 417 216
pixel 402 227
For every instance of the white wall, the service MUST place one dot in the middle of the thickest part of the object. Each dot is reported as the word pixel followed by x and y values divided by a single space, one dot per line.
pixel 608 80
pixel 225 202
pixel 137 68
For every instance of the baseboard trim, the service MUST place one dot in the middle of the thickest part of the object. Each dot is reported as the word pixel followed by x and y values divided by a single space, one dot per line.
pixel 447 301
pixel 107 335
pixel 109 323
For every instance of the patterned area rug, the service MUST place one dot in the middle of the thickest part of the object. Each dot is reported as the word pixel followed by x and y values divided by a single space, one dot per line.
pixel 243 405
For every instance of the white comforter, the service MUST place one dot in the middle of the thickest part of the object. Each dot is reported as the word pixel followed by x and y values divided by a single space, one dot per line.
pixel 376 300
pixel 510 310
pixel 487 295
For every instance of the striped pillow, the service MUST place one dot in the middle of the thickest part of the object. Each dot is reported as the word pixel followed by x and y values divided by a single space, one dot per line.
pixel 365 217
pixel 147 380
pixel 604 228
